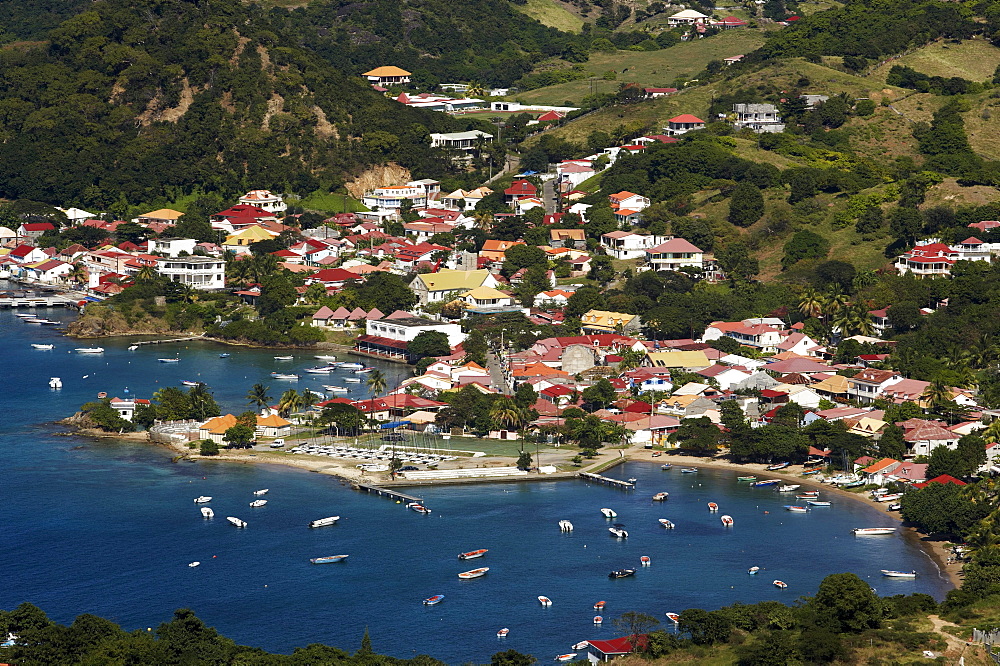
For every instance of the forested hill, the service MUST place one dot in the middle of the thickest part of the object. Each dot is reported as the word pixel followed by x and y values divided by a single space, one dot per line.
pixel 440 41
pixel 136 98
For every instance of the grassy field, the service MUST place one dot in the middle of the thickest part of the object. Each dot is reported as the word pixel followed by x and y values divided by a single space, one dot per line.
pixel 981 126
pixel 950 193
pixel 973 59
pixel 552 14
pixel 655 69
pixel 327 202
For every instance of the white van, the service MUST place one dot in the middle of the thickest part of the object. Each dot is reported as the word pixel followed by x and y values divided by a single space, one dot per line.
pixel 278 443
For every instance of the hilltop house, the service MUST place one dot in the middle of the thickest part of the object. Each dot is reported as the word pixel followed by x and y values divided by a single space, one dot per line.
pixel 628 244
pixel 687 17
pixel 674 254
pixel 684 123
pixel 465 141
pixel 760 118
pixel 265 200
pixel 387 75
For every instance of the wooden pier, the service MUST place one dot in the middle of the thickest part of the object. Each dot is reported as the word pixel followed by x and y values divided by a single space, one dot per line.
pixel 391 494
pixel 615 483
pixel 38 302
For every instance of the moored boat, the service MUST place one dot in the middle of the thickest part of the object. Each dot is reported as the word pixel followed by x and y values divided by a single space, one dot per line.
pixel 582 645
pixel 203 499
pixel 797 509
pixel 473 554
pixel 323 522
pixel 673 617
pixel 570 656
pixel 608 513
pixel 817 503
pixel 418 507
pixel 169 360
pixel 224 355
pixel 777 466
pixel 598 619
pixel 55 382
pixel 807 496
pixel 283 358
pixel 262 491
pixel 779 584
pixel 545 601
pixel 621 573
pixel 873 531
pixel 899 574
pixel 89 350
pixel 599 606
pixel 746 478
pixel 188 382
pixel 474 573
pixel 753 571
pixel 336 389
pixel 645 561
pixel 328 559
pixel 258 503
pixel 689 470
pixel 436 599
pixel 194 564
pixel 727 521
pixel 765 483
pixel 350 365
pixel 618 532
pixel 666 466
pixel 788 488
pixel 353 380
pixel 666 523
pixel 42 347
pixel 321 370
pixel 236 522
pixel 503 633
pixel 888 498
pixel 712 506
pixel 326 357
pixel 206 512
pixel 363 371
pixel 565 526
pixel 288 377
pixel 660 497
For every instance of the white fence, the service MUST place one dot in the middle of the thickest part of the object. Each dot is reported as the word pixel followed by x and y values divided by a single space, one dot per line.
pixel 474 473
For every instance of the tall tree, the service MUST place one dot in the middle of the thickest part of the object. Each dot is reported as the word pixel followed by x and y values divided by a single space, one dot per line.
pixel 257 395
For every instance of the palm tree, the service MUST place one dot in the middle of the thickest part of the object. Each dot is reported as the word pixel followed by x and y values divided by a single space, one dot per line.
pixel 376 383
pixel 77 274
pixel 992 432
pixel 308 398
pixel 811 303
pixel 937 394
pixel 257 395
pixel 146 274
pixel 483 221
pixel 833 302
pixel 631 359
pixel 475 89
pixel 289 402
pixel 504 412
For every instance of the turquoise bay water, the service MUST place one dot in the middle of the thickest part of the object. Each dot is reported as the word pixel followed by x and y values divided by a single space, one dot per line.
pixel 109 528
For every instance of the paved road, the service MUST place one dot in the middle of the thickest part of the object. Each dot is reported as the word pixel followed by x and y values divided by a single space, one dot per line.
pixel 496 373
pixel 549 196
pixel 511 165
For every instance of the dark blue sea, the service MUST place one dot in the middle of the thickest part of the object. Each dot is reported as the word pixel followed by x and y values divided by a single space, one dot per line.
pixel 109 528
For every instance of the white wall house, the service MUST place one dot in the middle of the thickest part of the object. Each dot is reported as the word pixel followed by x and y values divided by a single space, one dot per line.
pixel 460 140
pixel 272 203
pixel 674 254
pixel 205 273
pixel 172 246
pixel 405 329
pixel 629 245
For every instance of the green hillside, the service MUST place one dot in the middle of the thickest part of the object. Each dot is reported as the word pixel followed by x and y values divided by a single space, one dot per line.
pixel 974 59
pixel 553 14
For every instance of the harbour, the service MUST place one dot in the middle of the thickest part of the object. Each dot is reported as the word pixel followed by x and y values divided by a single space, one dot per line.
pixel 69 498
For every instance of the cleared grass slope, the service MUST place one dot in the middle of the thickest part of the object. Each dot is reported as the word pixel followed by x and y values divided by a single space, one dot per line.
pixel 973 59
pixel 552 14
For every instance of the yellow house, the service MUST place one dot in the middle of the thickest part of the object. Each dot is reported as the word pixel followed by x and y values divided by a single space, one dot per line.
pixel 163 215
pixel 487 297
pixel 240 241
pixel 689 361
pixel 601 321
pixel 267 426
pixel 215 429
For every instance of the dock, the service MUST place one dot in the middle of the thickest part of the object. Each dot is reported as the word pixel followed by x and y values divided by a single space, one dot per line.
pixel 615 483
pixel 391 494
pixel 38 302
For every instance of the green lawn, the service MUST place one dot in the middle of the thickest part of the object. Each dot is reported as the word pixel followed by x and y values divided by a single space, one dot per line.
pixel 552 14
pixel 653 69
pixel 326 202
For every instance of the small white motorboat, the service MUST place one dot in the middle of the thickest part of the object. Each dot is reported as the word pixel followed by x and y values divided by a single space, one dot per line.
pixel 194 564
pixel 283 358
pixel 262 491
pixel 817 503
pixel 258 503
pixel 565 526
pixel 545 601
pixel 712 506
pixel 353 380
pixel 753 570
pixel 55 382
pixel 474 573
pixel 321 370
pixel 188 382
pixel 727 521
pixel 788 488
pixel 797 509
pixel 582 645
pixel 873 531
pixel 89 350
pixel 42 347
pixel 206 512
pixel 899 574
pixel 503 633
pixel 779 584
pixel 618 533
pixel 336 389
pixel 363 371
pixel 169 360
pixel 566 657
pixel 666 523
pixel 598 619
pixel 326 357
pixel 203 499
pixel 323 522
pixel 288 377
pixel 608 513
pixel 660 497
pixel 350 365
pixel 673 617
pixel 133 347
pixel 236 522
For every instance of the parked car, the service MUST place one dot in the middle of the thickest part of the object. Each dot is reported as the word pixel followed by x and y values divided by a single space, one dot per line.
pixel 394 437
pixel 408 468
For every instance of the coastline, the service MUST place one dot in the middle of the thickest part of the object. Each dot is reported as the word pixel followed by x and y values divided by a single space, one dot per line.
pixel 935 548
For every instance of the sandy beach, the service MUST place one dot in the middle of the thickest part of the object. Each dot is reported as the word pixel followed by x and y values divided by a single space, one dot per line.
pixel 936 548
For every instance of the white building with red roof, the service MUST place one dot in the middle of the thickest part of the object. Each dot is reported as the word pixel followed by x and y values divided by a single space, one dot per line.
pixel 265 199
pixel 927 259
pixel 683 123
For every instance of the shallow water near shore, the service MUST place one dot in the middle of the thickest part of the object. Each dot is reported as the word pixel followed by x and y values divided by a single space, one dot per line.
pixel 108 528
